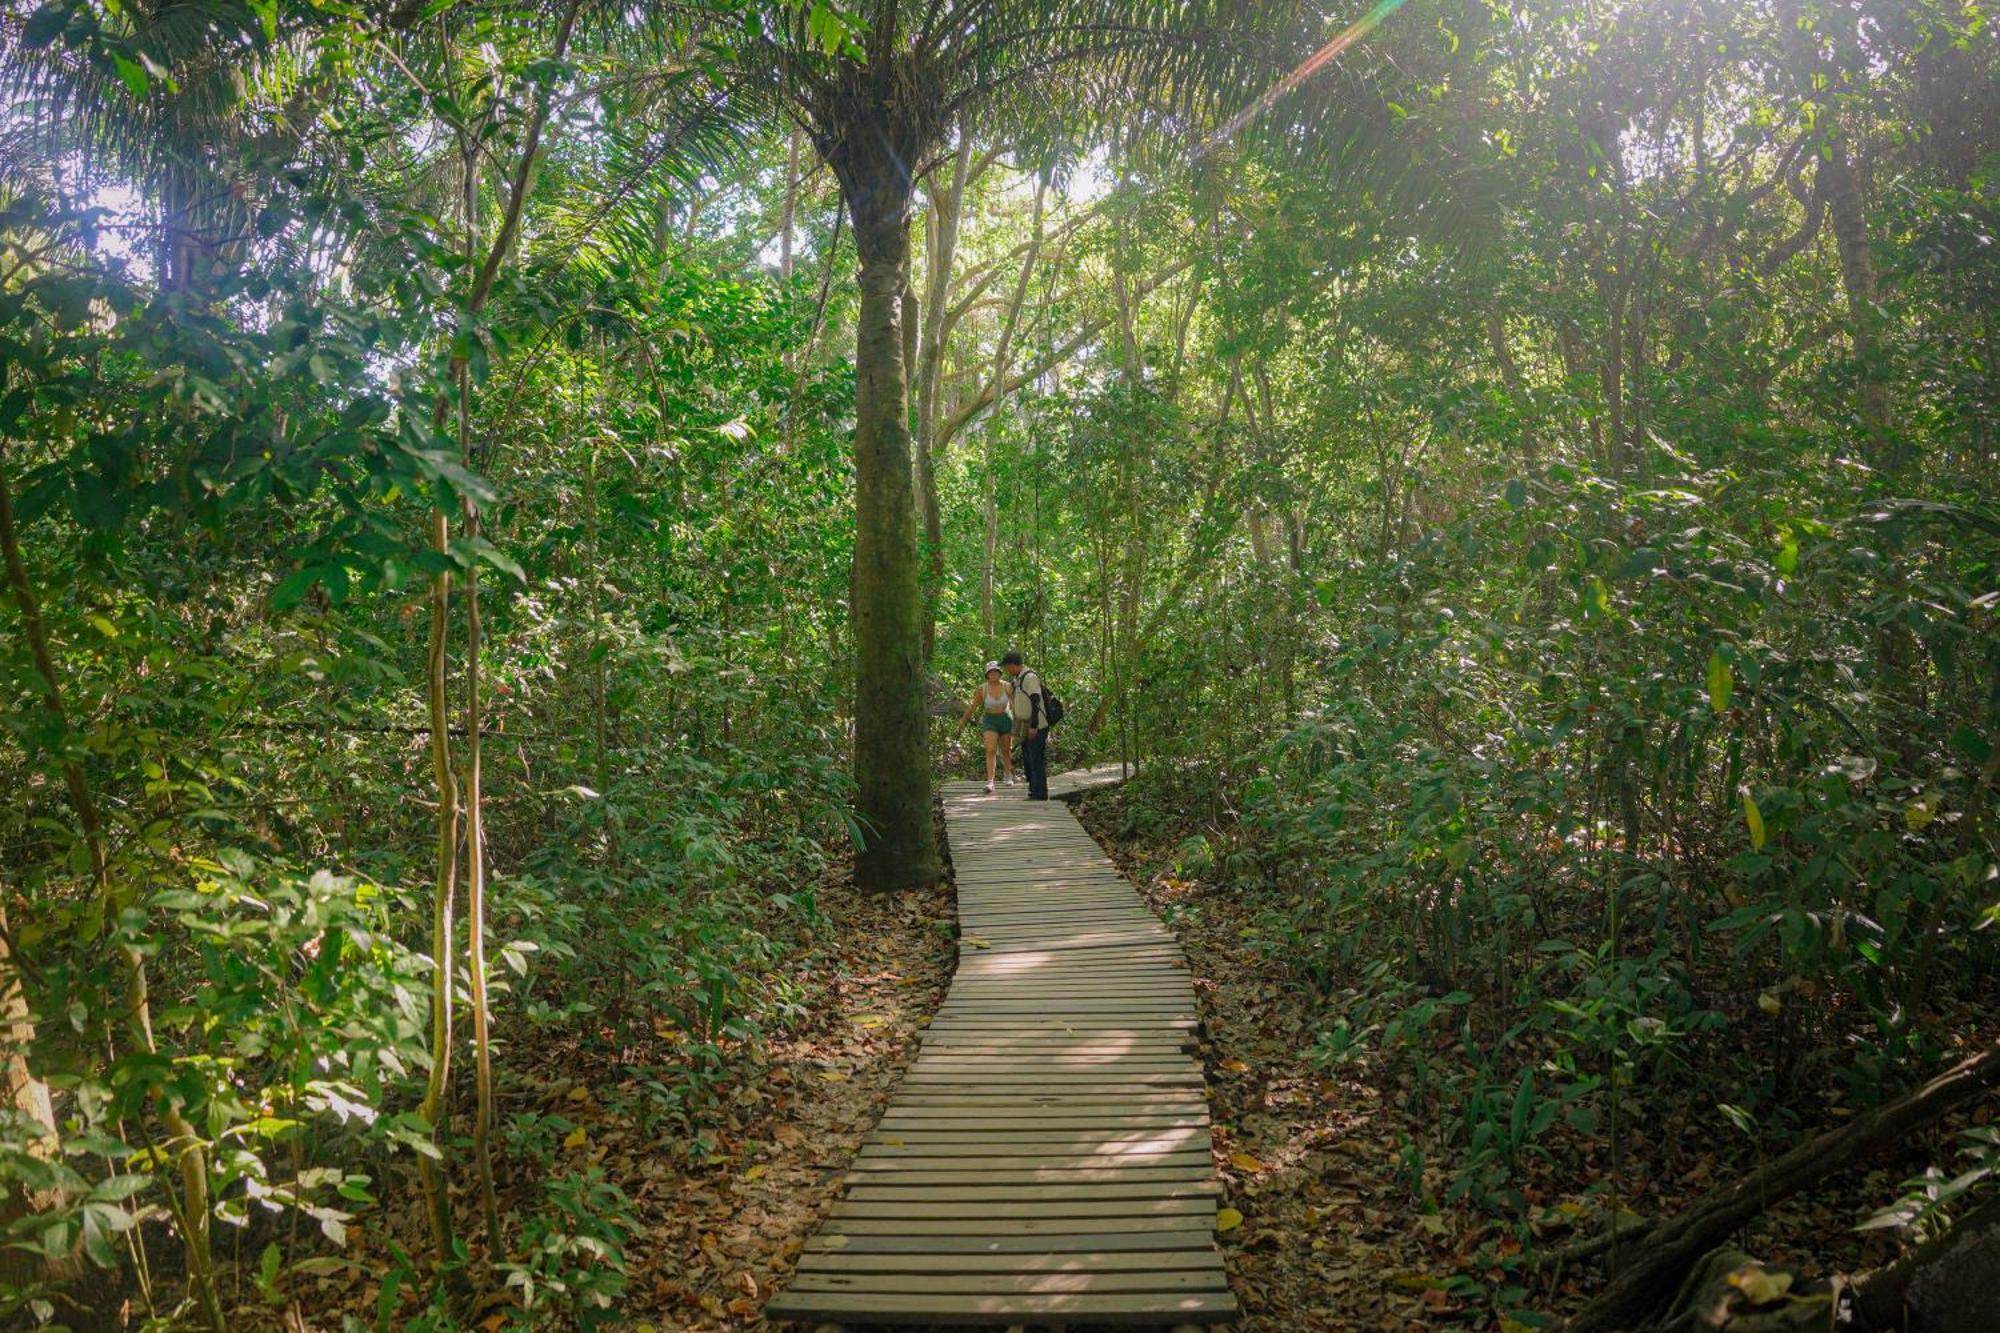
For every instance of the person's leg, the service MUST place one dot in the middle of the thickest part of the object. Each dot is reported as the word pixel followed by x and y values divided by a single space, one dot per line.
pixel 1007 756
pixel 992 744
pixel 1035 760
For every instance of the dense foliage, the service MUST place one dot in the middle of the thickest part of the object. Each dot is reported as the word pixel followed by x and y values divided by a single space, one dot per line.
pixel 1527 503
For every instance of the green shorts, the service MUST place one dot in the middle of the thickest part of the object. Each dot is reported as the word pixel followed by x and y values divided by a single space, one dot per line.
pixel 1000 724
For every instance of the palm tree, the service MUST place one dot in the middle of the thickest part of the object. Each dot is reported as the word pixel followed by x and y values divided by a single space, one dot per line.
pixel 877 100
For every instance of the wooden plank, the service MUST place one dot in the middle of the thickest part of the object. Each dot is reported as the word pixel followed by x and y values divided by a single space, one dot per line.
pixel 995 1177
pixel 978 1210
pixel 982 1120
pixel 1109 1242
pixel 1012 1226
pixel 1141 1261
pixel 914 1284
pixel 999 1159
pixel 937 1104
pixel 1114 1143
pixel 887 1192
pixel 1129 1307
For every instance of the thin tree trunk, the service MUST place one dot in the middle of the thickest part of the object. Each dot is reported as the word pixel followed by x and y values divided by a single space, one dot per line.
pixel 437 686
pixel 992 550
pixel 437 1198
pixel 789 220
pixel 475 862
pixel 1857 277
pixel 940 252
pixel 1517 389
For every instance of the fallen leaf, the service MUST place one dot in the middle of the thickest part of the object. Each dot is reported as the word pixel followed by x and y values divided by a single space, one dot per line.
pixel 833 1075
pixel 892 1141
pixel 578 1137
pixel 976 942
pixel 1228 1220
pixel 1235 1066
pixel 1761 1285
pixel 756 1172
pixel 1243 1161
pixel 579 1093
pixel 869 1021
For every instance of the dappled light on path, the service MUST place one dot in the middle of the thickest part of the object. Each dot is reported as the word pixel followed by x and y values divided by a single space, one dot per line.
pixel 1048 1153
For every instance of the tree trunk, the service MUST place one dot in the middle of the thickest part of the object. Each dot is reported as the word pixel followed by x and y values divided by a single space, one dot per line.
pixel 1857 276
pixel 1517 388
pixel 789 221
pixel 891 731
pixel 992 501
pixel 940 252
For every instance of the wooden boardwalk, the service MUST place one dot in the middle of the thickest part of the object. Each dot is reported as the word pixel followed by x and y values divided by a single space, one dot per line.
pixel 1046 1158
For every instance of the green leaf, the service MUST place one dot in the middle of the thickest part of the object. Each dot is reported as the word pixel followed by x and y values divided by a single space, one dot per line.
pixel 1788 553
pixel 132 73
pixel 267 1273
pixel 1754 818
pixel 1721 681
pixel 113 1189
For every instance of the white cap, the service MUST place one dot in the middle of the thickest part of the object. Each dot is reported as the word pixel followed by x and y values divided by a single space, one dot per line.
pixel 992 666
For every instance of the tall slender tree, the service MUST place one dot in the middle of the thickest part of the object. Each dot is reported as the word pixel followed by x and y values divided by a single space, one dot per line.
pixel 877 95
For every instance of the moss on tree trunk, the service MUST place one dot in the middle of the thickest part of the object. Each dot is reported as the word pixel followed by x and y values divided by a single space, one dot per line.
pixel 891 731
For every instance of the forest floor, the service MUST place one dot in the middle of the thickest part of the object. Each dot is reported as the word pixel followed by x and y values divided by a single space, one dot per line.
pixel 1338 1236
pixel 720 1214
pixel 722 1236
pixel 1339 1232
pixel 1330 1238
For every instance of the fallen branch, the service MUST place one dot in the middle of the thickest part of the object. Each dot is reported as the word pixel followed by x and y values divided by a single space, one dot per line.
pixel 1645 1287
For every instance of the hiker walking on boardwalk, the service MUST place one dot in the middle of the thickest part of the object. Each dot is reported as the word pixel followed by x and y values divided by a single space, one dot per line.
pixel 993 701
pixel 1031 719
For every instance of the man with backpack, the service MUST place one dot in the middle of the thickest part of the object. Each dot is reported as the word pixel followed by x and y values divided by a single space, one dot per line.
pixel 1035 711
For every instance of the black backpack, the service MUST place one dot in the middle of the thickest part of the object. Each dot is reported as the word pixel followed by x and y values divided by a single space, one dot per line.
pixel 1052 707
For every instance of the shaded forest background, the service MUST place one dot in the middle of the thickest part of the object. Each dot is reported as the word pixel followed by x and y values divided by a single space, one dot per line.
pixel 1525 501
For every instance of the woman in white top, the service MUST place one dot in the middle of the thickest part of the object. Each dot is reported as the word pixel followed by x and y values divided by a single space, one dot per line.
pixel 993 703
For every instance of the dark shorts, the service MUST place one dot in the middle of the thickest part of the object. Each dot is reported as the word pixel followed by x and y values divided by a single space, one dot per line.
pixel 1000 724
